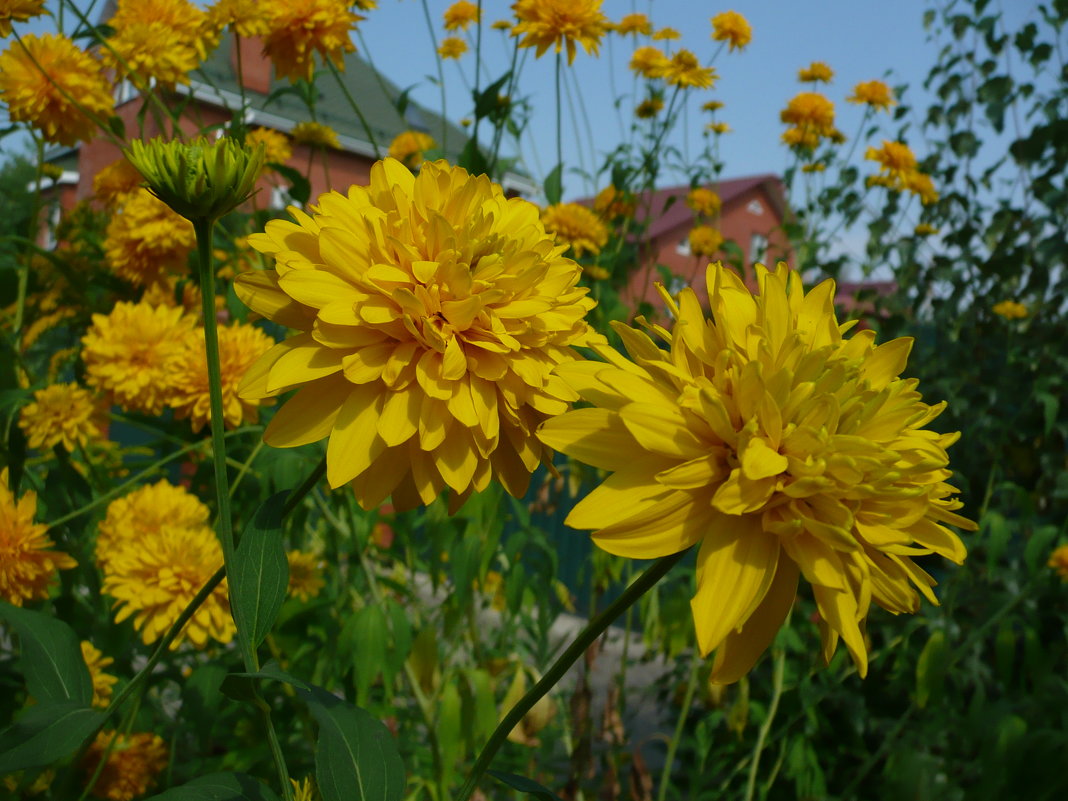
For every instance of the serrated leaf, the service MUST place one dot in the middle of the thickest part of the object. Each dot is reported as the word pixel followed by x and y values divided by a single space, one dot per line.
pixel 525 785
pixel 554 187
pixel 261 571
pixel 357 757
pixel 51 657
pixel 219 787
pixel 46 733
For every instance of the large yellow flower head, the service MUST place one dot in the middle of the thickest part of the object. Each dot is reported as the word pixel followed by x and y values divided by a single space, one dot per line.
pixel 61 414
pixel 244 16
pixel 128 353
pixel 298 28
pixel 576 226
pixel 733 28
pixel 276 146
pixel 315 134
pixel 782 447
pixel 431 311
pixel 873 93
pixel 18 11
pixel 133 763
pixel 154 579
pixel 240 345
pixel 703 201
pixel 305 574
pixel 160 40
pixel 452 47
pixel 146 240
pixel 894 158
pixel 705 241
pixel 58 101
pixel 408 147
pixel 27 567
pixel 460 15
pixel 684 70
pixel 560 24
pixel 649 61
pixel 143 513
pixel 810 111
pixel 102 682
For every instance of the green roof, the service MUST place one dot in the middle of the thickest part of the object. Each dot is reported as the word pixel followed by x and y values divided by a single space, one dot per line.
pixel 216 82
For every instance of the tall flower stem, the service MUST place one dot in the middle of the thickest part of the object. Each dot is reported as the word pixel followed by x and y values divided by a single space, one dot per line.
pixel 594 629
pixel 204 228
pixel 680 726
pixel 559 119
pixel 778 669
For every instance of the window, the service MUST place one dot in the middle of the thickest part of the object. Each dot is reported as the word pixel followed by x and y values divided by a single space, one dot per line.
pixel 280 198
pixel 48 239
pixel 676 284
pixel 758 247
pixel 683 248
pixel 755 207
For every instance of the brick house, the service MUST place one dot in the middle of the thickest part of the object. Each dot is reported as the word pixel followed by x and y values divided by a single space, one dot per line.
pixel 751 215
pixel 213 97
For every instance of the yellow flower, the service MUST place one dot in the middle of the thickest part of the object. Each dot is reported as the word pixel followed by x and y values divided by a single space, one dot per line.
pixel 718 127
pixel 160 40
pixel 155 578
pixel 782 447
pixel 816 72
pixel 634 25
pixel 703 201
pixel 731 27
pixel 596 272
pixel 802 138
pixel 408 147
pixel 305 574
pixel 27 567
pixel 575 226
pixel 146 240
pixel 39 786
pixel 649 107
pixel 240 345
pixel 143 513
pixel 315 134
pixel 116 182
pixel 18 11
pixel 296 28
pixel 925 229
pixel 920 184
pixel 611 203
pixel 649 61
pixel 61 414
pixel 873 93
pixel 452 47
pixel 56 102
pixel 1058 560
pixel 705 241
pixel 812 115
pixel 133 763
pixel 895 158
pixel 128 354
pixel 683 69
pixel 102 682
pixel 460 15
pixel 502 25
pixel 560 23
pixel 431 310
pixel 244 16
pixel 666 35
pixel 305 790
pixel 712 105
pixel 1010 310
pixel 817 166
pixel 276 146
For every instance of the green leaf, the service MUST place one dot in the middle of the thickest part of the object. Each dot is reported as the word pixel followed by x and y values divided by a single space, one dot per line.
pixel 472 160
pixel 117 126
pixel 1040 543
pixel 271 670
pixel 554 187
pixel 524 785
pixel 447 727
pixel 357 758
pixel 931 669
pixel 46 733
pixel 368 643
pixel 51 658
pixel 219 787
pixel 486 101
pixel 261 572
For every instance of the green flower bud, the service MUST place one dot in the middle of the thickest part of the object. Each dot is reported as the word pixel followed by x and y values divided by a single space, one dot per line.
pixel 201 179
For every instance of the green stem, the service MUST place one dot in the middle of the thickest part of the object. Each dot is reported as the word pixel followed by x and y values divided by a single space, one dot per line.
pixel 779 657
pixel 594 629
pixel 559 120
pixel 203 228
pixel 680 727
pixel 441 77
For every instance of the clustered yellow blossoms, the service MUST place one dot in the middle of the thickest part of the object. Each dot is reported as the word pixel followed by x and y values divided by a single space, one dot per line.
pixel 61 414
pixel 811 117
pixel 408 147
pixel 430 311
pixel 156 550
pixel 560 24
pixel 577 227
pixel 132 762
pixel 1010 310
pixel 782 447
pixel 296 29
pixel 898 171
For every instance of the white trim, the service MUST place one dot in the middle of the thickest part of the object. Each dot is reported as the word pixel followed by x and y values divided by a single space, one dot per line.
pixel 68 178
